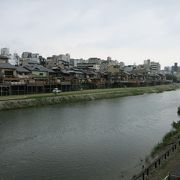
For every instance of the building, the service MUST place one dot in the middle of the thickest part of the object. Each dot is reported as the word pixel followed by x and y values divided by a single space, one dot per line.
pixel 129 68
pixel 38 70
pixel 5 52
pixel 113 69
pixel 94 60
pixel 58 61
pixel 151 66
pixel 4 56
pixel 92 66
pixel 29 58
pixel 74 62
pixel 177 74
pixel 26 55
pixel 109 62
pixel 4 59
pixel 64 57
pixel 155 67
pixel 23 74
pixel 147 62
pixel 104 66
pixel 175 68
pixel 141 70
pixel 7 72
pixel 15 59
pixel 167 70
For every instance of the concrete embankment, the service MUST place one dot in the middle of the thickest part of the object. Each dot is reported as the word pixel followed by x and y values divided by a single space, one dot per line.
pixel 24 101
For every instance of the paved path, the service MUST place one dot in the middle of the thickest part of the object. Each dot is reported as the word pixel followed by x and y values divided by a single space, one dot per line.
pixel 161 173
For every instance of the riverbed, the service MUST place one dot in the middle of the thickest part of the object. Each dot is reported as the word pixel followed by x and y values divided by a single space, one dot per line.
pixel 94 140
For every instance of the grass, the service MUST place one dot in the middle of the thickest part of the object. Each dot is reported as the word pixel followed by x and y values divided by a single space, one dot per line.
pixel 30 100
pixel 168 138
pixel 119 91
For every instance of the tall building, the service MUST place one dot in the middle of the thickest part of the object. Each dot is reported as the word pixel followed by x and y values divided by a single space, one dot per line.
pixel 94 60
pixel 5 52
pixel 58 61
pixel 147 62
pixel 151 66
pixel 64 57
pixel 29 58
pixel 175 68
pixel 155 67
pixel 4 56
pixel 74 62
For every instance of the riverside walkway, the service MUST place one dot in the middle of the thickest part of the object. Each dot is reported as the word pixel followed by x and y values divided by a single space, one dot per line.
pixel 162 164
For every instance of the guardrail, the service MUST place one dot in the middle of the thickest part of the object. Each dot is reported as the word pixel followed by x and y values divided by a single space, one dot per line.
pixel 156 163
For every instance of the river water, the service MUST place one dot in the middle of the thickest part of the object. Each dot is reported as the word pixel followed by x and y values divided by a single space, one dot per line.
pixel 96 140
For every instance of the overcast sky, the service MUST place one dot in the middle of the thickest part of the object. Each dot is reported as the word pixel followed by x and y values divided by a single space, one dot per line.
pixel 126 30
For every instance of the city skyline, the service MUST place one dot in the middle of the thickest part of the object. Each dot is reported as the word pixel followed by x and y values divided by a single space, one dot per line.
pixel 129 31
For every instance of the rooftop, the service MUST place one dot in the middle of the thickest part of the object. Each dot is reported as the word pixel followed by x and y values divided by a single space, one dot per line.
pixel 35 67
pixel 7 66
pixel 21 69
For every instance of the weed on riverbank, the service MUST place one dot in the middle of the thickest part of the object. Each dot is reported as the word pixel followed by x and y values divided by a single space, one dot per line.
pixel 168 138
pixel 24 101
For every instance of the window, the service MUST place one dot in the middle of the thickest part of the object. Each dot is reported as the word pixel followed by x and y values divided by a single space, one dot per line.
pixel 8 73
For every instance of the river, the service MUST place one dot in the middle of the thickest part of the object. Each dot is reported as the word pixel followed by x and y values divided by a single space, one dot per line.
pixel 95 140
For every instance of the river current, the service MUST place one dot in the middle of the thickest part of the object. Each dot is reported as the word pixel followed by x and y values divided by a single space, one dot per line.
pixel 95 140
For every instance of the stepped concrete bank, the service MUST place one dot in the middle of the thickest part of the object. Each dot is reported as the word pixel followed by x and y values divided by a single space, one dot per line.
pixel 24 101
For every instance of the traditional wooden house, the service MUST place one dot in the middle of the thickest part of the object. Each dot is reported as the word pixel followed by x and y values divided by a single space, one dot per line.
pixel 39 74
pixel 7 73
pixel 23 74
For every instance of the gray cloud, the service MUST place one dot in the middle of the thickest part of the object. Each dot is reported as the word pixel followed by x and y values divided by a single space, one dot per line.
pixel 129 30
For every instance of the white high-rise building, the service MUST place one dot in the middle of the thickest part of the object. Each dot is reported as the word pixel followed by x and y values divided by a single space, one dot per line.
pixel 155 67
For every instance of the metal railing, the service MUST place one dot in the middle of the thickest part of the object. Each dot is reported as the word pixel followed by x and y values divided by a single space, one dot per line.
pixel 157 162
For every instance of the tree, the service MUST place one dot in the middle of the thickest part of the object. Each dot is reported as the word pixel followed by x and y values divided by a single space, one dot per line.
pixel 171 77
